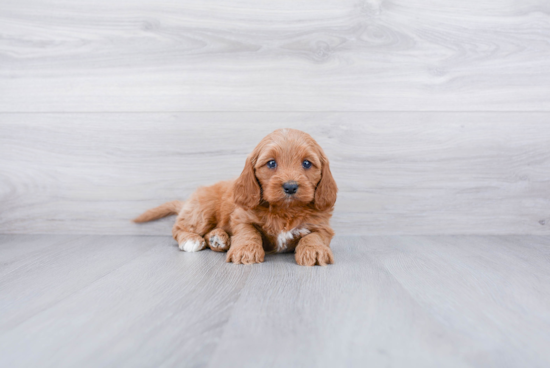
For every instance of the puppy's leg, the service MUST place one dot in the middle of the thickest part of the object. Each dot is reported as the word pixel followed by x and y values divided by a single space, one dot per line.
pixel 218 240
pixel 190 242
pixel 192 223
pixel 246 245
pixel 313 249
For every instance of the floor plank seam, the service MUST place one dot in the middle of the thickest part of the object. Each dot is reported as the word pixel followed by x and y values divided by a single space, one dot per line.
pixel 224 332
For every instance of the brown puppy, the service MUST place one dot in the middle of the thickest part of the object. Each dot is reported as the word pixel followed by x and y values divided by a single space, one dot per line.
pixel 282 201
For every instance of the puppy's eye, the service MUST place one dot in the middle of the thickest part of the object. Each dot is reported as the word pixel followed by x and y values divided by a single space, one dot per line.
pixel 306 164
pixel 272 164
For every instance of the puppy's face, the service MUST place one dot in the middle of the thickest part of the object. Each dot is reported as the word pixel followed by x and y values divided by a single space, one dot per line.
pixel 287 168
pixel 288 171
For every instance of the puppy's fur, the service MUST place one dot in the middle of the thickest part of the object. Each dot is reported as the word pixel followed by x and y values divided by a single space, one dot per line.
pixel 253 215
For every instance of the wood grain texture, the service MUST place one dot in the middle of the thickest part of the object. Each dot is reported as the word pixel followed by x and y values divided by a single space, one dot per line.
pixel 260 55
pixel 72 264
pixel 398 173
pixel 398 302
pixel 120 301
pixel 392 301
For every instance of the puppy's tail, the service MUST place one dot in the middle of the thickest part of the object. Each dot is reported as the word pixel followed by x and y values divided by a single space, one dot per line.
pixel 166 209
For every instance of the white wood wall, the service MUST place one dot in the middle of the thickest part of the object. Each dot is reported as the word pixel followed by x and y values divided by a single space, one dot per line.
pixel 436 115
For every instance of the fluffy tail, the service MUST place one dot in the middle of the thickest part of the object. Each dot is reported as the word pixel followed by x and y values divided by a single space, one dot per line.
pixel 167 209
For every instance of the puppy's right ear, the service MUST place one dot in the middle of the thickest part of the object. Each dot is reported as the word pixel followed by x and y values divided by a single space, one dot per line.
pixel 246 191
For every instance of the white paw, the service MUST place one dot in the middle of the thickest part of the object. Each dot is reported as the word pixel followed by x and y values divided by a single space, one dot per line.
pixel 216 242
pixel 192 245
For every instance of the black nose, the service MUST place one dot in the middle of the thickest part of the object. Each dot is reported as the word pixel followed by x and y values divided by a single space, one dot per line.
pixel 290 187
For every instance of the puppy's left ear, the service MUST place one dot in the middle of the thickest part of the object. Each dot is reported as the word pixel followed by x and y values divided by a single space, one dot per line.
pixel 325 194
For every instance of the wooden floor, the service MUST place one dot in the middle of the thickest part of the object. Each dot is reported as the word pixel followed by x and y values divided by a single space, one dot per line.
pixel 395 301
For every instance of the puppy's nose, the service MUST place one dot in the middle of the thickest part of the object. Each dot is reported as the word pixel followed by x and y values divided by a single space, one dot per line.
pixel 290 187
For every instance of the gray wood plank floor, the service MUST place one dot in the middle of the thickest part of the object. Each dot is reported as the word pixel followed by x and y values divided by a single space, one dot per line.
pixel 393 301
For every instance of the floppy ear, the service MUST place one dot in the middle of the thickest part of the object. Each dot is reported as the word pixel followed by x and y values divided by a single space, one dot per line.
pixel 325 194
pixel 246 191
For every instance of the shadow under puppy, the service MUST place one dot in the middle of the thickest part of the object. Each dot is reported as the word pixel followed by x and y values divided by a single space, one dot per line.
pixel 282 201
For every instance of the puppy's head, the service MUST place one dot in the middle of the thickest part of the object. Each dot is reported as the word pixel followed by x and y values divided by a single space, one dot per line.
pixel 287 168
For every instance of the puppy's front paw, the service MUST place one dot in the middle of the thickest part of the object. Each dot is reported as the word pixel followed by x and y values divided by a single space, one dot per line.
pixel 311 255
pixel 246 254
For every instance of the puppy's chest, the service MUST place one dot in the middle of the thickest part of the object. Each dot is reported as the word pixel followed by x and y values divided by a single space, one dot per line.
pixel 282 240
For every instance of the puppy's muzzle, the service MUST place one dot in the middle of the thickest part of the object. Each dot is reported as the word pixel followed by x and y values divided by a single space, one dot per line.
pixel 290 187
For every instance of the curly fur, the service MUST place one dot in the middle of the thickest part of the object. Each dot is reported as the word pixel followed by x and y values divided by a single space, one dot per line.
pixel 252 215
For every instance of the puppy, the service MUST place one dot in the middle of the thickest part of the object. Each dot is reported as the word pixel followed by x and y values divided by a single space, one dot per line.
pixel 282 202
